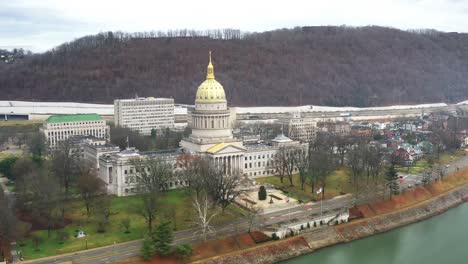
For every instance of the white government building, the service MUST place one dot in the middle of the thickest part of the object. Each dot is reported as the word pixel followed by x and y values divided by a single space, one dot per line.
pixel 211 137
pixel 61 127
pixel 144 114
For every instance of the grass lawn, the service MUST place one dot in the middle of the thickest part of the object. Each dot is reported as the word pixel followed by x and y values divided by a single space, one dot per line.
pixel 337 182
pixel 174 205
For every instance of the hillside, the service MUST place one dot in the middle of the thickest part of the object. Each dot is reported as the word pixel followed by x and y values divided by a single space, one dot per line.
pixel 337 66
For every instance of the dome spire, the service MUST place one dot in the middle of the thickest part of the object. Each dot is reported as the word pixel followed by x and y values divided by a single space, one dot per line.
pixel 210 70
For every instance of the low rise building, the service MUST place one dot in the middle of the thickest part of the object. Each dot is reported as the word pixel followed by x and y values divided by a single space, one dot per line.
pixel 144 114
pixel 92 153
pixel 336 128
pixel 299 127
pixel 61 127
pixel 120 174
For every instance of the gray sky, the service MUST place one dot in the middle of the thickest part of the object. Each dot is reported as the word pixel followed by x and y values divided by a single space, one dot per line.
pixel 42 24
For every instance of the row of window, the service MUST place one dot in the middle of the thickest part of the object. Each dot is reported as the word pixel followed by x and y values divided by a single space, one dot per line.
pixel 258 164
pixel 75 123
pixel 168 185
pixel 254 157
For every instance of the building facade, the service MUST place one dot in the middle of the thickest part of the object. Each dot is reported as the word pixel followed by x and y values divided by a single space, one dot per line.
pixel 299 127
pixel 144 114
pixel 60 128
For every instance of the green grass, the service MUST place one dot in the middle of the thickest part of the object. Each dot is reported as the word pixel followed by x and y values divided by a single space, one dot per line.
pixel 338 182
pixel 175 206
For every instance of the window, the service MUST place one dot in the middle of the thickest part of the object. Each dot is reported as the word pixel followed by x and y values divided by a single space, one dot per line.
pixel 125 171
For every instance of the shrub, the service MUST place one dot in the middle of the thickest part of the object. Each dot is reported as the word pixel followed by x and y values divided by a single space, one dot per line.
pixel 315 224
pixel 308 225
pixel 183 251
pixel 302 227
pixel 262 195
pixel 291 232
pixel 274 236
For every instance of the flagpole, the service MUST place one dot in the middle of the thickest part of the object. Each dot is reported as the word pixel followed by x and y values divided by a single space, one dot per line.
pixel 321 211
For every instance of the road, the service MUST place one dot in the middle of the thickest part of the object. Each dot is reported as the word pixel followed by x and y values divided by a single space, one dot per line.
pixel 127 250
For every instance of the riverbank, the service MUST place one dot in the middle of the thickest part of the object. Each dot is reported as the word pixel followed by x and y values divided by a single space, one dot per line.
pixel 381 216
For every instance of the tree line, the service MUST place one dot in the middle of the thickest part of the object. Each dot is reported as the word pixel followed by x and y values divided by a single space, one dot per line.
pixel 339 66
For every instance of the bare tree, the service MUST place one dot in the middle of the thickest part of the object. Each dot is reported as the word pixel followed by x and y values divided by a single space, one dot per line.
pixel 303 165
pixel 202 205
pixel 65 166
pixel 285 162
pixel 224 188
pixel 151 176
pixel 356 162
pixel 89 185
pixel 37 144
pixel 342 144
pixel 8 224
pixel 194 170
pixel 42 196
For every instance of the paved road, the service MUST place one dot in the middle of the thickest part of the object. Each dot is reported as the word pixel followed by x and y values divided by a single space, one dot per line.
pixel 127 250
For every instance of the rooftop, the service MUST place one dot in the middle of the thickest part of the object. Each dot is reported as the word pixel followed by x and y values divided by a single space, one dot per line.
pixel 73 118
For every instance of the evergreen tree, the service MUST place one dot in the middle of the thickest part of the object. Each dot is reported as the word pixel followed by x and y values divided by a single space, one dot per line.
pixel 262 195
pixel 391 176
pixel 163 238
pixel 147 251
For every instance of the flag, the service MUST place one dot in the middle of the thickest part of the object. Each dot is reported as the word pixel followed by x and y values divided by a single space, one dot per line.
pixel 319 190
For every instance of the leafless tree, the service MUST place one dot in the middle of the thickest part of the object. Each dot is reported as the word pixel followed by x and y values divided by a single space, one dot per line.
pixel 8 224
pixel 42 196
pixel 356 162
pixel 285 162
pixel 151 175
pixel 89 185
pixel 65 166
pixel 224 188
pixel 303 165
pixel 202 205
pixel 195 170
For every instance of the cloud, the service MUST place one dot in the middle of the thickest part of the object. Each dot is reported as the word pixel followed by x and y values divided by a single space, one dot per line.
pixel 44 24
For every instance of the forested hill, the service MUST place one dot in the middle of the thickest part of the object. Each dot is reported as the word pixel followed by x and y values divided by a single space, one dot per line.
pixel 336 66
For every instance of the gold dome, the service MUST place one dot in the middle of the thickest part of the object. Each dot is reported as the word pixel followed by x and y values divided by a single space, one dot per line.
pixel 210 91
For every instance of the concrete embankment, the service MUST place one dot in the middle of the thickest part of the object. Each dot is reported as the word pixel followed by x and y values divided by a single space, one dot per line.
pixel 311 241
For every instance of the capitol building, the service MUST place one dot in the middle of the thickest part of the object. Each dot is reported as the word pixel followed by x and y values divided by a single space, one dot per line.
pixel 211 137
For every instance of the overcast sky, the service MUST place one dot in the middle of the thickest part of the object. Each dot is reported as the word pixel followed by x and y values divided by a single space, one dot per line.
pixel 40 25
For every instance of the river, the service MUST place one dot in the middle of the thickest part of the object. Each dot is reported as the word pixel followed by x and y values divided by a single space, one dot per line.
pixel 441 239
